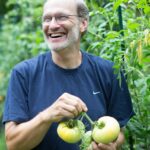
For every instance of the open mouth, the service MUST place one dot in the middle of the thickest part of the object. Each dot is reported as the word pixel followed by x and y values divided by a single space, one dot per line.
pixel 56 35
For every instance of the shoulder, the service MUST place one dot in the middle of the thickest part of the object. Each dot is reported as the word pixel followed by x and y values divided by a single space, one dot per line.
pixel 98 62
pixel 31 64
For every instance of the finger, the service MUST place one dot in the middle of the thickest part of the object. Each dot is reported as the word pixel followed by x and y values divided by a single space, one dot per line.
pixel 84 107
pixel 64 114
pixel 110 146
pixel 94 146
pixel 72 101
pixel 70 104
pixel 70 108
pixel 77 102
pixel 104 146
pixel 76 105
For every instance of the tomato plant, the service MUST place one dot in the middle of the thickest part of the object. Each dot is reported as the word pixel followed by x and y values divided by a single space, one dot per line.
pixel 105 130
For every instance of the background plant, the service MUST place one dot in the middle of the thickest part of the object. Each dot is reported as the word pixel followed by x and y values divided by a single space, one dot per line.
pixel 22 38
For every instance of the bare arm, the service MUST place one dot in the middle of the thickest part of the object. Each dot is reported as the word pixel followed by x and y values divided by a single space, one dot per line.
pixel 27 135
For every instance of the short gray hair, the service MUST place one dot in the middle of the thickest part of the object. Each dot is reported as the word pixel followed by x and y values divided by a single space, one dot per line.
pixel 82 9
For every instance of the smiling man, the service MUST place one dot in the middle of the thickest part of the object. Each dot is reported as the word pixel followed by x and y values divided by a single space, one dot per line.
pixel 61 84
pixel 61 25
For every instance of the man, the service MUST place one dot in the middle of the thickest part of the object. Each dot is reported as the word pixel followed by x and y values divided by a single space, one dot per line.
pixel 61 84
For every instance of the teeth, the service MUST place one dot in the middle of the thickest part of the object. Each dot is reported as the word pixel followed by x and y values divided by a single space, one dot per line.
pixel 56 35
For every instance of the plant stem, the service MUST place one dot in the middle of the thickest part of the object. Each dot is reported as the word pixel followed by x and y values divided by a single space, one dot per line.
pixel 88 118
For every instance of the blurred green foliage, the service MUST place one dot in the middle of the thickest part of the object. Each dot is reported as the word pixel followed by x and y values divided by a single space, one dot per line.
pixel 21 38
pixel 2 141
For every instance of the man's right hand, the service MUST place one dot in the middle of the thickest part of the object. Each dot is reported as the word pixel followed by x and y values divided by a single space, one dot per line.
pixel 66 106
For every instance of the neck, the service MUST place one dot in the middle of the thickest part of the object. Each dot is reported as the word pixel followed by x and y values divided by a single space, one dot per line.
pixel 67 58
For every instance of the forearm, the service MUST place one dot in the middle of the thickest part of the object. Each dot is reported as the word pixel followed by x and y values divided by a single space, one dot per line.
pixel 26 136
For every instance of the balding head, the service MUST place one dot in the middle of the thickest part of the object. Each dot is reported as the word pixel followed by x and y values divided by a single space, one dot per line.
pixel 82 9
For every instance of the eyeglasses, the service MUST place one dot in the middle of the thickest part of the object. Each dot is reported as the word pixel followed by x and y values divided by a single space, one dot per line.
pixel 59 18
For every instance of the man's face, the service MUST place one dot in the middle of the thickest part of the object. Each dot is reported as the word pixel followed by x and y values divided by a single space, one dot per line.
pixel 60 30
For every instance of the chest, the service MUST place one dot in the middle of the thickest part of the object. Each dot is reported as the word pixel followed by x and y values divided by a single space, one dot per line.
pixel 47 87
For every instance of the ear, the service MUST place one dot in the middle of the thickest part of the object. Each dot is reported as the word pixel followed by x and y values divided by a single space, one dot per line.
pixel 83 25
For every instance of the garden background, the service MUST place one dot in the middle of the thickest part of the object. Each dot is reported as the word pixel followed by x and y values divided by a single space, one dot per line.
pixel 119 30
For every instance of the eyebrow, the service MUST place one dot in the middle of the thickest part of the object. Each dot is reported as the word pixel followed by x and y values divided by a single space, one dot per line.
pixel 55 14
pixel 50 15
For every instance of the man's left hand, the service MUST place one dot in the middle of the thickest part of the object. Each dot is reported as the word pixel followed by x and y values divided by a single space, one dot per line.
pixel 100 146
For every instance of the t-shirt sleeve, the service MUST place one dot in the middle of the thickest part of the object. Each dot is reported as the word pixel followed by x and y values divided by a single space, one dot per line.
pixel 16 105
pixel 120 104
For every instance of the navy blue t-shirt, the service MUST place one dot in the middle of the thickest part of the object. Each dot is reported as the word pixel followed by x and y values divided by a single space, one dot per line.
pixel 36 83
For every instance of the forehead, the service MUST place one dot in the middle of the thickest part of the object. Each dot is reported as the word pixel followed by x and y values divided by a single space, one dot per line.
pixel 60 6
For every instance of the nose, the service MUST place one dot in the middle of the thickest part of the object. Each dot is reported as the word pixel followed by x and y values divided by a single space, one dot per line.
pixel 53 24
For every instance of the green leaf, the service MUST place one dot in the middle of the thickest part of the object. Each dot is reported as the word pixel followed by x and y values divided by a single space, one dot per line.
pixel 116 4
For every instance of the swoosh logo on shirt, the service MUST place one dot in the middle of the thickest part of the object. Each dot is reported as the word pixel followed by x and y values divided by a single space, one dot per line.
pixel 95 93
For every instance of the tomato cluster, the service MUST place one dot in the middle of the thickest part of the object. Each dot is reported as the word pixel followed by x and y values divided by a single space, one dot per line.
pixel 104 130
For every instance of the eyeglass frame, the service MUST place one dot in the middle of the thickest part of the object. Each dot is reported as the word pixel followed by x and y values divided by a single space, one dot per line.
pixel 58 18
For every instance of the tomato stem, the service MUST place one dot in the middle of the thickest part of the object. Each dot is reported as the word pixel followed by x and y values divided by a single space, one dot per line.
pixel 71 123
pixel 89 119
pixel 101 125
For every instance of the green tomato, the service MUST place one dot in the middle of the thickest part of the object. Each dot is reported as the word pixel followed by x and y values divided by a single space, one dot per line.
pixel 86 141
pixel 71 131
pixel 87 138
pixel 106 130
